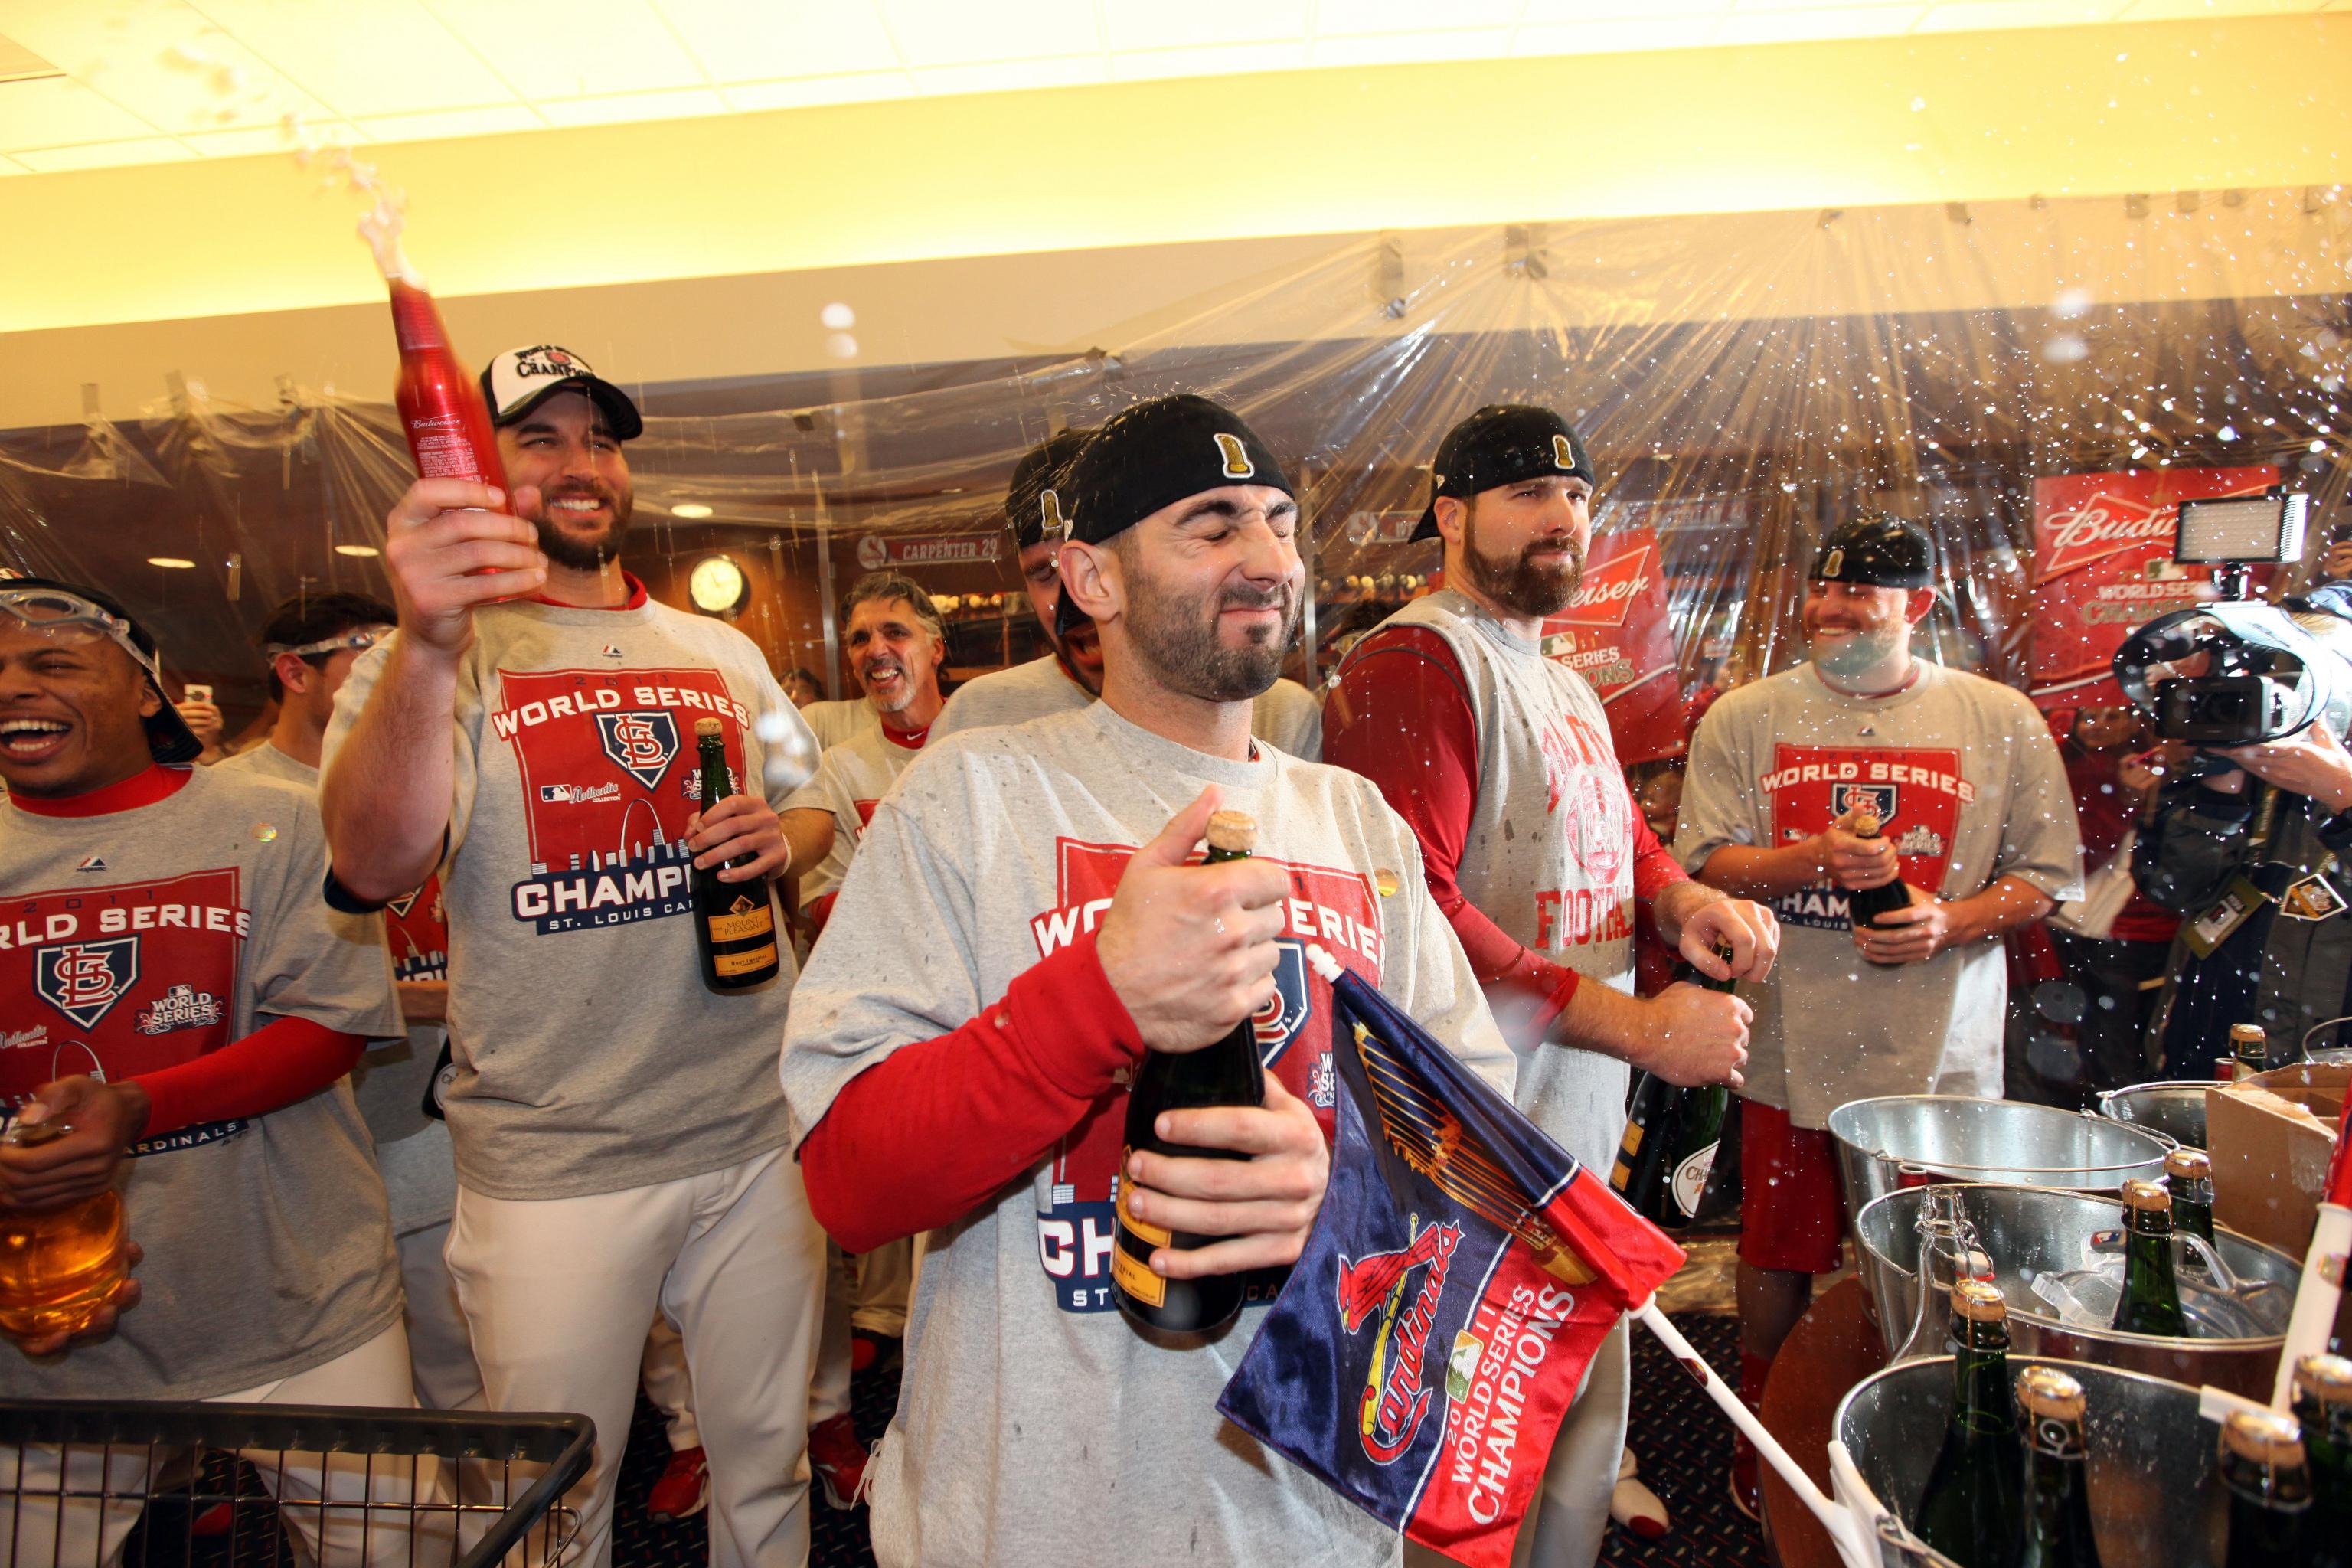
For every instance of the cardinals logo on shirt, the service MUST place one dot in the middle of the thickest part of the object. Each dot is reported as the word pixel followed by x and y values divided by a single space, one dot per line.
pixel 641 744
pixel 84 980
pixel 1879 800
pixel 1811 786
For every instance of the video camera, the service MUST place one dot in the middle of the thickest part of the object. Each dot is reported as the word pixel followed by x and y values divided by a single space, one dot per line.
pixel 2236 672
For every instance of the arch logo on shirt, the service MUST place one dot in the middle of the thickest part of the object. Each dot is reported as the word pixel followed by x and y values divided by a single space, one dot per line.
pixel 1917 794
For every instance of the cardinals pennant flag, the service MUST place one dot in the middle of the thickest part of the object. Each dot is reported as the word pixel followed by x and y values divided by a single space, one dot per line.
pixel 1462 1274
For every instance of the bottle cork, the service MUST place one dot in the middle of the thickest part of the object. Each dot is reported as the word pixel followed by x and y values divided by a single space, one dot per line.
pixel 1865 824
pixel 2243 1035
pixel 2264 1436
pixel 705 727
pixel 1232 832
pixel 2187 1164
pixel 2147 1195
pixel 2050 1395
pixel 1979 1301
pixel 2326 1378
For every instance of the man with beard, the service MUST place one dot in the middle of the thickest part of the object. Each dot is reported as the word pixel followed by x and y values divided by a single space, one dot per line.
pixel 1023 920
pixel 1501 761
pixel 1979 824
pixel 529 731
pixel 1286 713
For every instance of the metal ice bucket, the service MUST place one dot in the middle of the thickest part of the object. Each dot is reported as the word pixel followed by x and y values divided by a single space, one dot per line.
pixel 2026 1231
pixel 1909 1140
pixel 2155 1499
pixel 2174 1108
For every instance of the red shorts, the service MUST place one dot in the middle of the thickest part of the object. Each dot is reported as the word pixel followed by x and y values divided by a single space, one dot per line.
pixel 1791 1203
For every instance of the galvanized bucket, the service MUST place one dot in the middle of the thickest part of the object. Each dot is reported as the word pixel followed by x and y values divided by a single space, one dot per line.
pixel 2156 1500
pixel 2028 1231
pixel 1910 1140
pixel 2174 1108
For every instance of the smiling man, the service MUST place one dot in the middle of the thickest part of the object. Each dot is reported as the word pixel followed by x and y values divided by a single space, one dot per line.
pixel 1980 826
pixel 1021 923
pixel 1501 760
pixel 618 1129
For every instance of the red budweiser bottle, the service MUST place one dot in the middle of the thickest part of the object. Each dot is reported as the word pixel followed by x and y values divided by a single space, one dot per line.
pixel 440 403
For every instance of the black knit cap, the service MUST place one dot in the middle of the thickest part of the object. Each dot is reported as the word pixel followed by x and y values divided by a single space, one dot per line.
pixel 169 739
pixel 1877 552
pixel 1152 456
pixel 1028 510
pixel 1502 443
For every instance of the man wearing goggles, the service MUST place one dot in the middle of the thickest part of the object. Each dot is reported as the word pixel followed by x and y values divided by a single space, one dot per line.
pixel 54 748
pixel 312 641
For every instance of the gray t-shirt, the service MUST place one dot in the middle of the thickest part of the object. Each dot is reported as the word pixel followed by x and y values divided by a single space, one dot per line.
pixel 1285 714
pixel 1965 775
pixel 590 1056
pixel 140 939
pixel 850 781
pixel 412 1149
pixel 1032 1416
pixel 832 722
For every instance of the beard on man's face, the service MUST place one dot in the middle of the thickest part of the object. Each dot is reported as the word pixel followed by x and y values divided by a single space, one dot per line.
pixel 1521 582
pixel 571 549
pixel 1177 635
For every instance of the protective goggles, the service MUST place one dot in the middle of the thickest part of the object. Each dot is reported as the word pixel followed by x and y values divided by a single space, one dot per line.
pixel 359 639
pixel 71 619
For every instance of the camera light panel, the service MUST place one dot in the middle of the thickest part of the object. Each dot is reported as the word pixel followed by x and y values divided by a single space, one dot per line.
pixel 2234 529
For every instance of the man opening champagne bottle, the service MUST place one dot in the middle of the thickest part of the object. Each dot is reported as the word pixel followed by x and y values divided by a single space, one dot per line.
pixel 1043 872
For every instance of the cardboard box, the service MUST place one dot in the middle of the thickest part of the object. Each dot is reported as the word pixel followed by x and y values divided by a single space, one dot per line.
pixel 2269 1164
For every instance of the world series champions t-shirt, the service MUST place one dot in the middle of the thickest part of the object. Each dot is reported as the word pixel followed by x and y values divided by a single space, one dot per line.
pixel 850 781
pixel 1964 776
pixel 1032 1421
pixel 137 940
pixel 588 1055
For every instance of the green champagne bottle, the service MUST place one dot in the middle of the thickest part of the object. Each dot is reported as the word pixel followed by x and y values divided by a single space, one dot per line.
pixel 2323 1409
pixel 2189 1178
pixel 2057 1512
pixel 1864 905
pixel 1230 1072
pixel 1970 1511
pixel 1671 1134
pixel 2270 1490
pixel 2150 1303
pixel 2250 1053
pixel 734 922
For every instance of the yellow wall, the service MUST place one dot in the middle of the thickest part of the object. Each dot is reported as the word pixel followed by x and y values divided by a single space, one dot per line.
pixel 775 213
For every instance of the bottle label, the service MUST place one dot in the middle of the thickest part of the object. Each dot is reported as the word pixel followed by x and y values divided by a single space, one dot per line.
pixel 1134 1276
pixel 1142 1230
pixel 734 963
pixel 1690 1180
pixel 761 922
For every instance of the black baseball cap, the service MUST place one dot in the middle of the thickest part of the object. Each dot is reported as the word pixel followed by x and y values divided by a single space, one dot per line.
pixel 1878 552
pixel 1033 505
pixel 1502 443
pixel 519 380
pixel 1154 455
pixel 169 739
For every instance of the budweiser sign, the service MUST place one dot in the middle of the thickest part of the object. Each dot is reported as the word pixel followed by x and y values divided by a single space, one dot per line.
pixel 1608 590
pixel 2107 524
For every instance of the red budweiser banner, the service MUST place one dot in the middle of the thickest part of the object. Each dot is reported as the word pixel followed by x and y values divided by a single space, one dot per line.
pixel 2103 564
pixel 1615 633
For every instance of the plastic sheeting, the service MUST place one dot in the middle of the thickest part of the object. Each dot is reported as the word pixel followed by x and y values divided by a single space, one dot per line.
pixel 1744 386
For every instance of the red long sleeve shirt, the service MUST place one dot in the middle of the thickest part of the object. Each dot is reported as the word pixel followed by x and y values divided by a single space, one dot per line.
pixel 1401 716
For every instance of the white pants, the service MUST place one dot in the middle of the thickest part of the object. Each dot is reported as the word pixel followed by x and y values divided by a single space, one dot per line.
pixel 883 1282
pixel 440 1351
pixel 559 1292
pixel 375 1375
pixel 670 1386
pixel 1569 1515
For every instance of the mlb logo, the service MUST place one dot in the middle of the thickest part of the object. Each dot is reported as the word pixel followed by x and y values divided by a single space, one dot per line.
pixel 84 980
pixel 1875 798
pixel 1277 1023
pixel 640 744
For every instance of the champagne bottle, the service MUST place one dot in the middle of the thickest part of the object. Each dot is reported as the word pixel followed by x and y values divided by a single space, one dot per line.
pixel 734 922
pixel 2270 1489
pixel 2323 1409
pixel 2250 1052
pixel 1230 1072
pixel 2057 1512
pixel 1864 905
pixel 1971 1507
pixel 2150 1303
pixel 2189 1178
pixel 1671 1134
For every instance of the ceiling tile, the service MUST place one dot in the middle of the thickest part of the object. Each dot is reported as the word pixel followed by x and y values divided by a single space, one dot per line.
pixel 1967 15
pixel 1540 11
pixel 1011 75
pixel 2180 10
pixel 56 111
pixel 1400 49
pixel 1819 22
pixel 16 60
pixel 960 32
pixel 581 48
pixel 364 57
pixel 612 109
pixel 105 154
pixel 1614 35
pixel 1203 24
pixel 10 166
pixel 251 139
pixel 1334 17
pixel 442 123
pixel 1144 64
pixel 165 62
pixel 760 40
pixel 803 92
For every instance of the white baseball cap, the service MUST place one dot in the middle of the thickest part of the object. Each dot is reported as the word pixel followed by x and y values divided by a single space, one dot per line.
pixel 519 380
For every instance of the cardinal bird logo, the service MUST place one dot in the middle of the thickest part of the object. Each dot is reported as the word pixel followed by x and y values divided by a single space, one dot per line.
pixel 1395 1398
